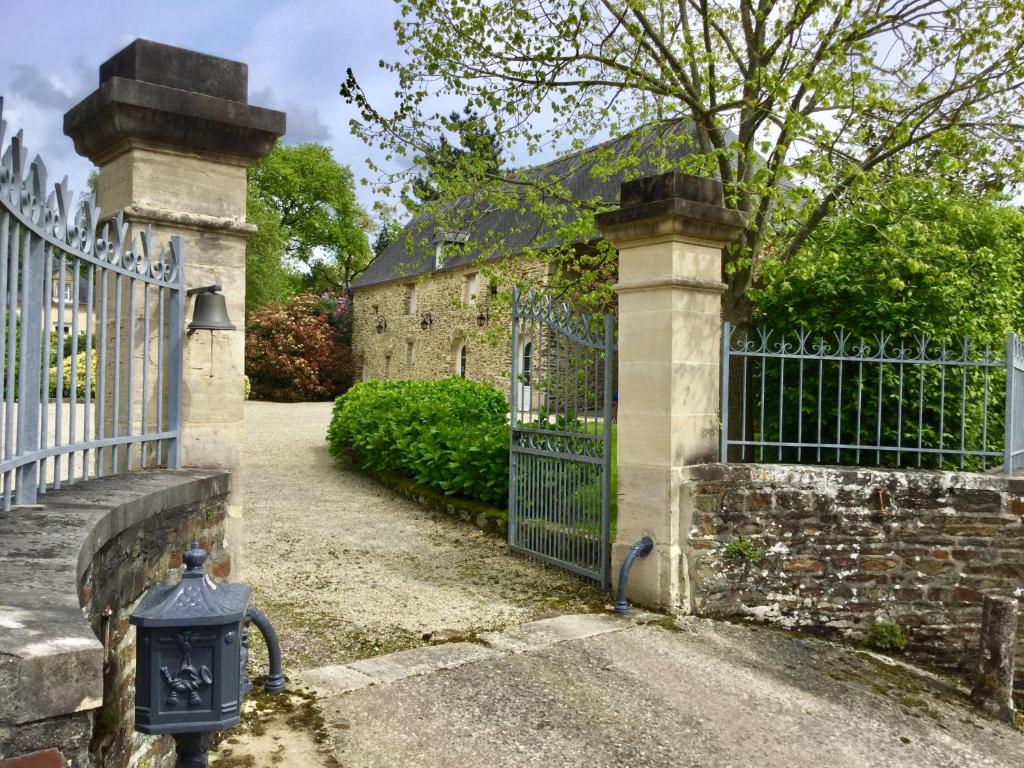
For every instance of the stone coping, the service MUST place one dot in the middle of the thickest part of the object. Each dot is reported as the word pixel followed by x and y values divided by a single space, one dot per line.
pixel 795 474
pixel 121 110
pixel 51 662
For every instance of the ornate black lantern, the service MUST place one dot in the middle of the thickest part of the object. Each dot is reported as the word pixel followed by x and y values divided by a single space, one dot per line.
pixel 382 324
pixel 190 668
pixel 483 317
pixel 426 322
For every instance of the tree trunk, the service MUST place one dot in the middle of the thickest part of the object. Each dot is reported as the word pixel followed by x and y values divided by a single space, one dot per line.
pixel 738 310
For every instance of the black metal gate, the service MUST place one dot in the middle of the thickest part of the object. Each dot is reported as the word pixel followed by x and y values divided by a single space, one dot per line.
pixel 561 447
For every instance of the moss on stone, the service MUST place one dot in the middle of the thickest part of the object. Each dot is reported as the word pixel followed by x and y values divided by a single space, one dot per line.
pixel 295 709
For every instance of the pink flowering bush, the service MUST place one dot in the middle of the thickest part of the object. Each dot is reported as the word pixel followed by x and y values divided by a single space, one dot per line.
pixel 294 351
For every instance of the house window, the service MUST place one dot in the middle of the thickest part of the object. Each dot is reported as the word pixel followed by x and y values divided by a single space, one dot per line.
pixel 376 309
pixel 494 288
pixel 387 366
pixel 469 289
pixel 527 360
pixel 441 239
pixel 460 361
pixel 58 289
pixel 410 298
pixel 410 353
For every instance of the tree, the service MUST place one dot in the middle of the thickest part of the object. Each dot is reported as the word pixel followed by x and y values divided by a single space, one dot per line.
pixel 268 278
pixel 388 228
pixel 312 199
pixel 919 257
pixel 478 145
pixel 796 105
pixel 922 259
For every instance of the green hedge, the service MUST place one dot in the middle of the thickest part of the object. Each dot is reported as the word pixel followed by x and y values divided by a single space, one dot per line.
pixel 450 434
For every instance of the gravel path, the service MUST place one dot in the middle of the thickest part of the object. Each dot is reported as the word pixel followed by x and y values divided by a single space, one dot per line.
pixel 346 569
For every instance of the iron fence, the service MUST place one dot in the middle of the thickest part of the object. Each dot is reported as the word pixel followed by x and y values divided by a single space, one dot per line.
pixel 1013 458
pixel 91 329
pixel 882 401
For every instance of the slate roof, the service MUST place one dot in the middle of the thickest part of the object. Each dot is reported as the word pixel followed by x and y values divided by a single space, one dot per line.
pixel 520 228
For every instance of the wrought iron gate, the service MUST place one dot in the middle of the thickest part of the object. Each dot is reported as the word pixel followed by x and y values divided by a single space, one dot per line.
pixel 91 331
pixel 561 426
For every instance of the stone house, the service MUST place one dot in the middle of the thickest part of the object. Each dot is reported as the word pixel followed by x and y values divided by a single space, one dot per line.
pixel 426 307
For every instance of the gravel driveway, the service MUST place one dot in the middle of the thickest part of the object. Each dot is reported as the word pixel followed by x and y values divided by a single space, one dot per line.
pixel 346 569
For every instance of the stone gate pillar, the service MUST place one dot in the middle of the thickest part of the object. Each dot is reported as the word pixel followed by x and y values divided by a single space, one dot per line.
pixel 670 231
pixel 172 133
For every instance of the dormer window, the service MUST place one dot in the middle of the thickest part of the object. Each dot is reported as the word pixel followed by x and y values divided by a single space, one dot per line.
pixel 444 238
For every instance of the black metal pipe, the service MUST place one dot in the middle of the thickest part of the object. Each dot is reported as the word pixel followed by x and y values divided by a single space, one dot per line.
pixel 641 549
pixel 192 749
pixel 275 679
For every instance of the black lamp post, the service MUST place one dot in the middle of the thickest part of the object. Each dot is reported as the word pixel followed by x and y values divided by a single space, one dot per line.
pixel 191 659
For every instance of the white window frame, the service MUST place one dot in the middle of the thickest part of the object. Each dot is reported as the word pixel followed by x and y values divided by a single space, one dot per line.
pixel 56 291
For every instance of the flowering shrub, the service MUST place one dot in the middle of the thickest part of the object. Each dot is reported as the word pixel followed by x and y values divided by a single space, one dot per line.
pixel 293 351
pixel 79 376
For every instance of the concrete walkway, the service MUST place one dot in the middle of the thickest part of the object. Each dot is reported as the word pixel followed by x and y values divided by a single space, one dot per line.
pixel 600 692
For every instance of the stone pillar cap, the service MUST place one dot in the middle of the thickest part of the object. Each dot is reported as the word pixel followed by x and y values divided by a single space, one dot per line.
pixel 669 204
pixel 175 99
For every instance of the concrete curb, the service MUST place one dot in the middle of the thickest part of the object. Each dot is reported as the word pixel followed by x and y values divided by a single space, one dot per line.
pixel 339 679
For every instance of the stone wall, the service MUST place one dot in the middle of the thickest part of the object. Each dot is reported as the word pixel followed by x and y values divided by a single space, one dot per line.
pixel 834 550
pixel 433 351
pixel 71 572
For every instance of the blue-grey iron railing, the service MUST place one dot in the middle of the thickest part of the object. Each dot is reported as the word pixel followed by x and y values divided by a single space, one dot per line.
pixel 91 330
pixel 884 401
pixel 1013 458
pixel 561 413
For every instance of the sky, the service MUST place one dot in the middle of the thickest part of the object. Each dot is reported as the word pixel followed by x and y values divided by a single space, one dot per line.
pixel 297 52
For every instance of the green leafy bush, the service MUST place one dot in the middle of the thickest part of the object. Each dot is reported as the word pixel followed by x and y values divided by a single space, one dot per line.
pixel 742 550
pixel 450 434
pixel 921 258
pixel 886 637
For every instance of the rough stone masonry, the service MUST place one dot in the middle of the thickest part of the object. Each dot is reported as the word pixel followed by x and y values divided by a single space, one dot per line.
pixel 835 550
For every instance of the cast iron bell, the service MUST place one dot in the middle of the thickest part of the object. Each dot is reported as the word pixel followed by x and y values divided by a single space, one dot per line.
pixel 210 313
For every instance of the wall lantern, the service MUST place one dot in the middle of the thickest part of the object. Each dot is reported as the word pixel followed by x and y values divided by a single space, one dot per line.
pixel 382 324
pixel 192 650
pixel 210 313
pixel 484 317
pixel 426 322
